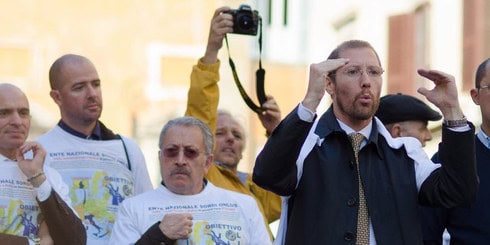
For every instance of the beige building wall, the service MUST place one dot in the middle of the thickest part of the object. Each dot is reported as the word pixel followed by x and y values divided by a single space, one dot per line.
pixel 143 50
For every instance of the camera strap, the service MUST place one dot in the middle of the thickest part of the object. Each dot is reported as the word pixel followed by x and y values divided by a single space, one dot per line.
pixel 259 74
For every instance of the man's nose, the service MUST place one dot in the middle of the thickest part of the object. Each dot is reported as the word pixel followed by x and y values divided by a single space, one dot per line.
pixel 92 90
pixel 181 158
pixel 365 79
pixel 230 136
pixel 16 118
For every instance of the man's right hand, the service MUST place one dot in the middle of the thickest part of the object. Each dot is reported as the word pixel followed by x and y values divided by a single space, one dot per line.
pixel 319 80
pixel 220 25
pixel 32 167
pixel 176 226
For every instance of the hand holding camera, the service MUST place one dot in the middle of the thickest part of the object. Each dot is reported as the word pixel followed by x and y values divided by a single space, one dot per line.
pixel 245 20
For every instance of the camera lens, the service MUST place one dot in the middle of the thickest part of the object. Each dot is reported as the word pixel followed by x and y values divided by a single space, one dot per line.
pixel 245 22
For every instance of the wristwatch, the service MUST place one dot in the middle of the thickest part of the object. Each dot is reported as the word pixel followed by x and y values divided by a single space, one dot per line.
pixel 456 123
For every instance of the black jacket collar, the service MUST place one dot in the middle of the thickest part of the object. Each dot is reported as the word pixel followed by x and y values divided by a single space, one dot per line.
pixel 328 125
pixel 101 132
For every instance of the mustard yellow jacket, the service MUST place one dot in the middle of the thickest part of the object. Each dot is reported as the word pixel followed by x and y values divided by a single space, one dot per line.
pixel 202 103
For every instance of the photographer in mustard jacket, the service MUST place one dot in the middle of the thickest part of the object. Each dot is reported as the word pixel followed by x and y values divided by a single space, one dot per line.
pixel 203 98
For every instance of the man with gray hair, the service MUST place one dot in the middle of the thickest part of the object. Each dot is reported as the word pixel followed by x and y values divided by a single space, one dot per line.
pixel 186 208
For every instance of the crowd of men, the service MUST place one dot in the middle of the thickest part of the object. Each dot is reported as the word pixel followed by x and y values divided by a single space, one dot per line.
pixel 356 174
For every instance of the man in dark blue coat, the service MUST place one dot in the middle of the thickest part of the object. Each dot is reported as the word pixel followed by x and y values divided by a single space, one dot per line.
pixel 468 225
pixel 313 164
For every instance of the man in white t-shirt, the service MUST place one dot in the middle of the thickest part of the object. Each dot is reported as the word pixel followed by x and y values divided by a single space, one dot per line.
pixel 186 208
pixel 100 167
pixel 33 197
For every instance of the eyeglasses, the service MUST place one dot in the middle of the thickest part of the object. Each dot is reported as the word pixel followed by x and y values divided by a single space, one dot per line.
pixel 483 87
pixel 189 152
pixel 355 72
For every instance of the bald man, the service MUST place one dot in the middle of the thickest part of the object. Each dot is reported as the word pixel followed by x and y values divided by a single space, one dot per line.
pixel 101 168
pixel 33 197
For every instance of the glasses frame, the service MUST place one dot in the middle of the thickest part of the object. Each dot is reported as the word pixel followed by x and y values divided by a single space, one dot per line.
pixel 483 87
pixel 174 152
pixel 363 71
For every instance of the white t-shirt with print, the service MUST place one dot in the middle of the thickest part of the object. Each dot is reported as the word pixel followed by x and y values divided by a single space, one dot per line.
pixel 220 216
pixel 19 210
pixel 98 177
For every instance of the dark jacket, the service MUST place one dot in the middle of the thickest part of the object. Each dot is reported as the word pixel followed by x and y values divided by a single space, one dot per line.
pixel 323 208
pixel 466 225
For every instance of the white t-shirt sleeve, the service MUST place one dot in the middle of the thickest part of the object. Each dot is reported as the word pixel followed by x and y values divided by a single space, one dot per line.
pixel 256 224
pixel 43 191
pixel 57 183
pixel 125 229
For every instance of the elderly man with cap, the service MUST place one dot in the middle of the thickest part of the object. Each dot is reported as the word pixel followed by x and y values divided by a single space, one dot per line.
pixel 405 115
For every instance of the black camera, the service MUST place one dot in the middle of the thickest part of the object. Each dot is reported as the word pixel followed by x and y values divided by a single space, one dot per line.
pixel 245 20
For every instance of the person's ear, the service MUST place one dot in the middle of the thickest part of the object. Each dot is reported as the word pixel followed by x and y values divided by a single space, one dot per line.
pixel 330 86
pixel 475 96
pixel 209 161
pixel 56 96
pixel 396 130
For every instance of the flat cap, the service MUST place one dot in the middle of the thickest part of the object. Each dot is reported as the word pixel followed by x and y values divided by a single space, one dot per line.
pixel 399 108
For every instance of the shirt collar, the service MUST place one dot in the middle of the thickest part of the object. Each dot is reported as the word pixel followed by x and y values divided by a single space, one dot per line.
pixel 483 138
pixel 329 124
pixel 96 134
pixel 204 184
pixel 366 131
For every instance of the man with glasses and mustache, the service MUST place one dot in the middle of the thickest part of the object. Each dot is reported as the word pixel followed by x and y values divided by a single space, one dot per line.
pixel 471 224
pixel 344 178
pixel 100 167
pixel 187 208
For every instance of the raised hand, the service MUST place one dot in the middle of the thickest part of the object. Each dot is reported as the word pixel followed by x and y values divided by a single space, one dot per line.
pixel 32 167
pixel 444 95
pixel 220 25
pixel 318 79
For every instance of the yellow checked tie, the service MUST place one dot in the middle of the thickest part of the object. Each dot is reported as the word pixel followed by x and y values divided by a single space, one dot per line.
pixel 362 215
